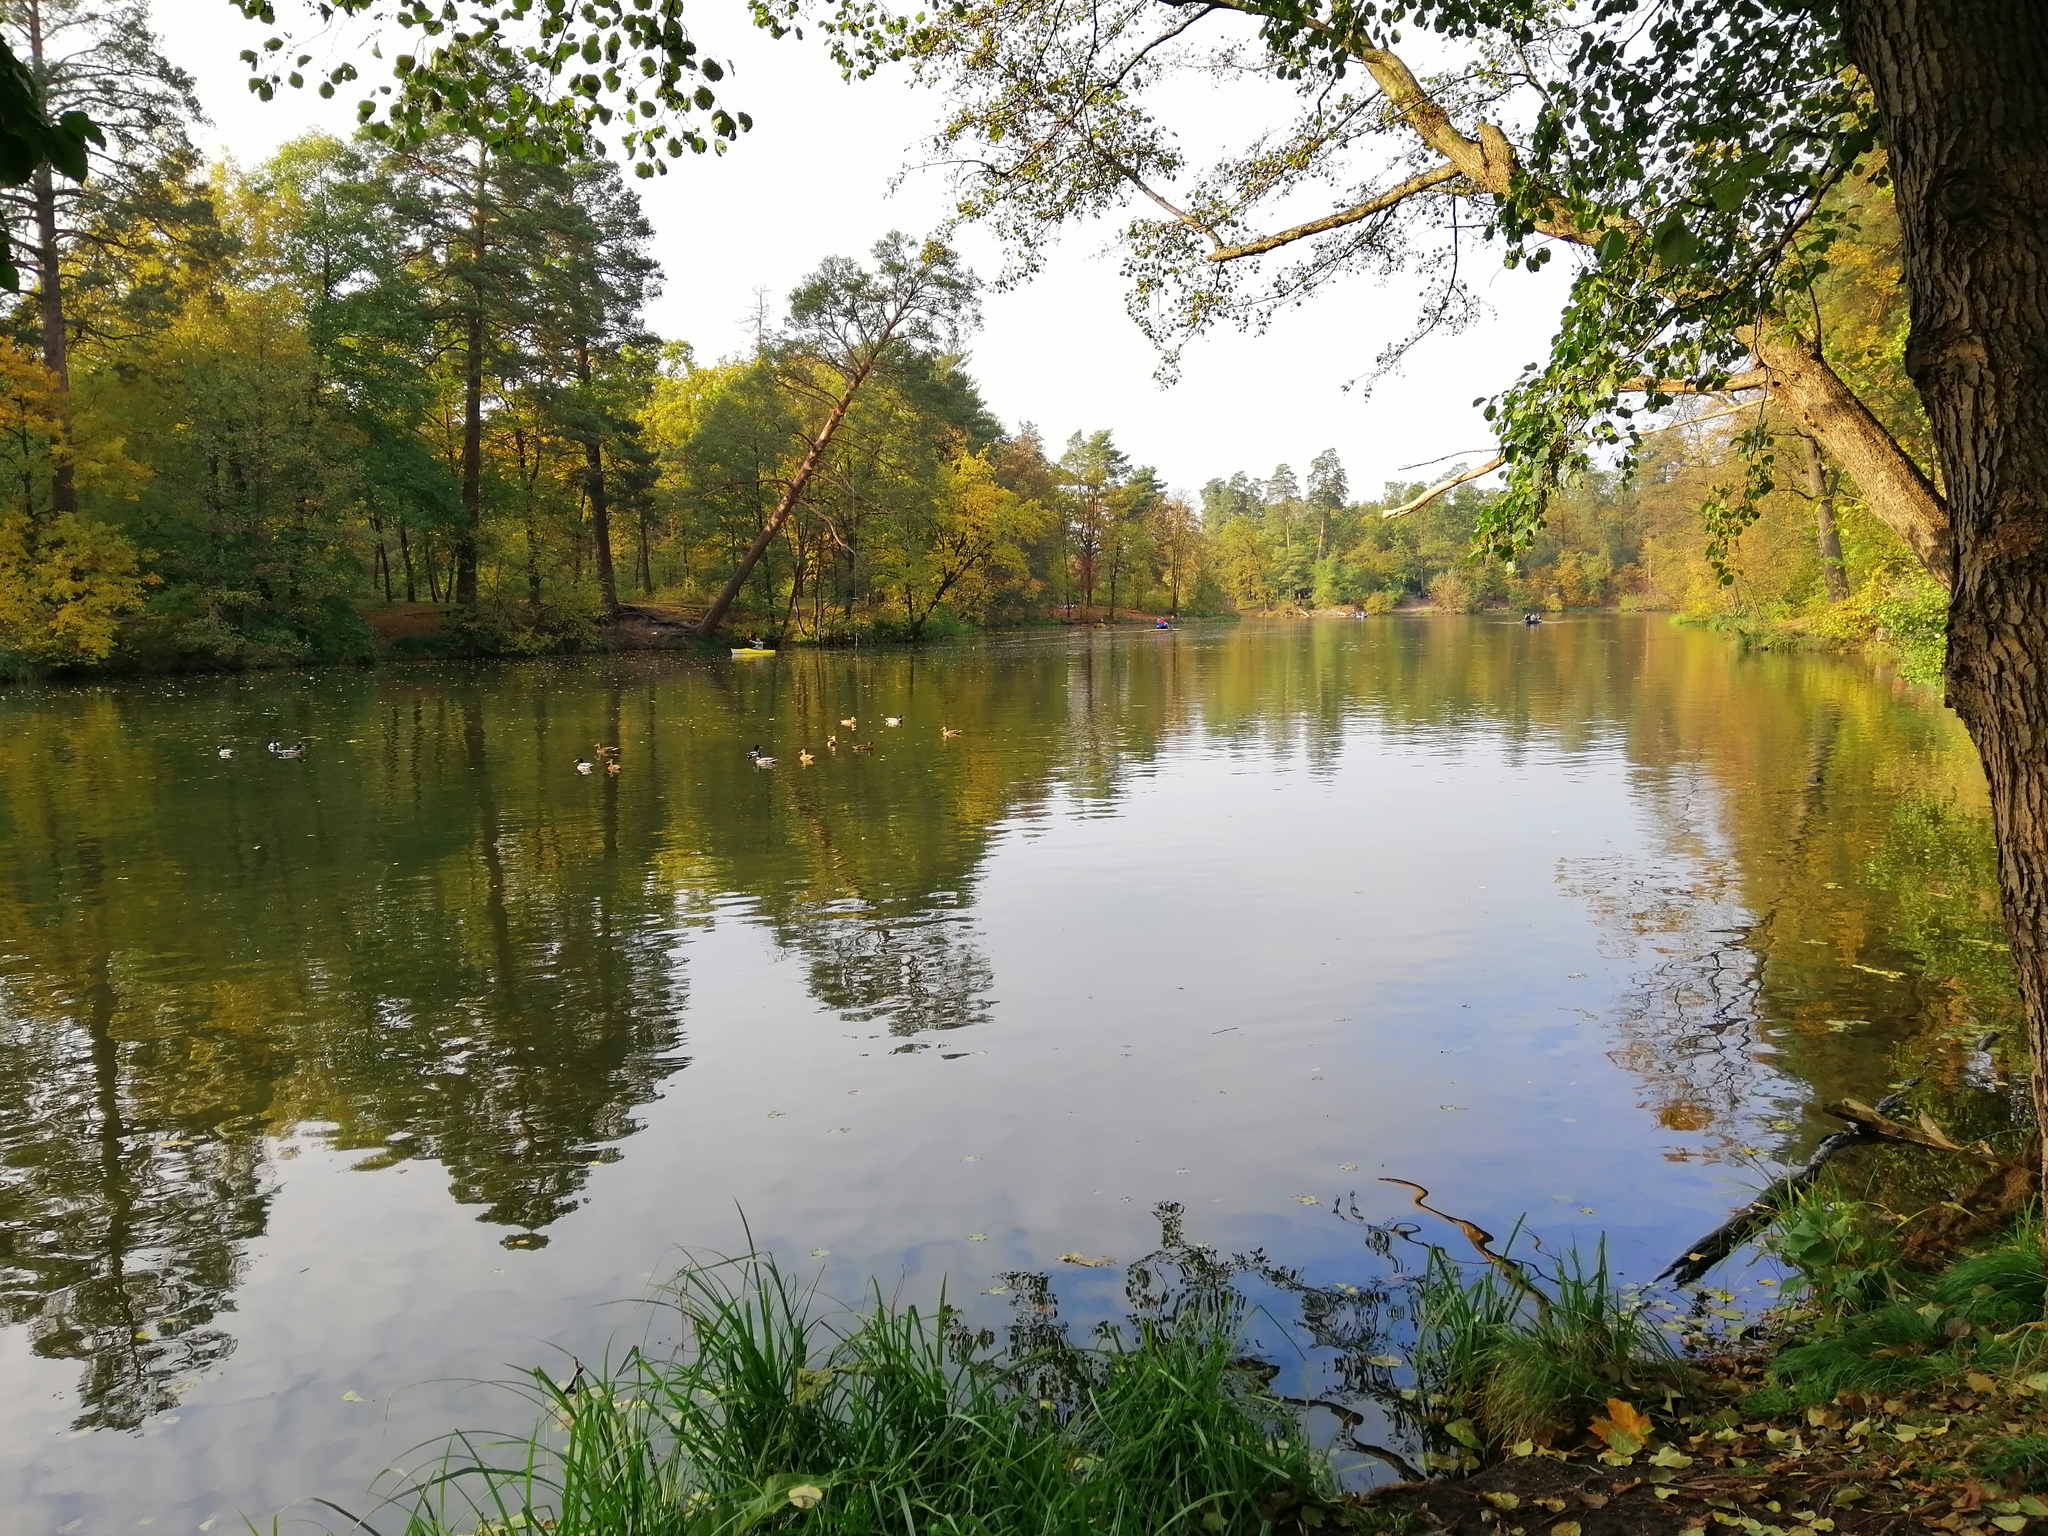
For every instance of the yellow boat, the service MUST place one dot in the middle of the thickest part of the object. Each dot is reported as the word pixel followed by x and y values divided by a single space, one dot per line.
pixel 750 652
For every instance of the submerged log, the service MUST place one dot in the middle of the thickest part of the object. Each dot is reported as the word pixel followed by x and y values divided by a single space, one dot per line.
pixel 1738 1229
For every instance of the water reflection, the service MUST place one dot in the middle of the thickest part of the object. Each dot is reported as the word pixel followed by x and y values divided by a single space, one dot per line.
pixel 437 945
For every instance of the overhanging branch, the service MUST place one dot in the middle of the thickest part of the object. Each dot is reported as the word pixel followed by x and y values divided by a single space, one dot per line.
pixel 1444 485
pixel 1390 198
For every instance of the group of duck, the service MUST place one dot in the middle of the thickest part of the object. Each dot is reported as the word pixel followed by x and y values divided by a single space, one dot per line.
pixel 609 756
pixel 226 750
pixel 805 758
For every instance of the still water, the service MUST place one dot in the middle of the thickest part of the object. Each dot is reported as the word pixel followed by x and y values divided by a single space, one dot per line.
pixel 332 1089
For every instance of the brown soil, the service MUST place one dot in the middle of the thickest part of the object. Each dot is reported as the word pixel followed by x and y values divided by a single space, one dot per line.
pixel 645 626
pixel 1860 1466
pixel 400 621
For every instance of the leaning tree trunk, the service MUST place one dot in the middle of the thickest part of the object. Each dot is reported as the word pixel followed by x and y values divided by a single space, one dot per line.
pixel 1962 89
pixel 792 494
pixel 1826 534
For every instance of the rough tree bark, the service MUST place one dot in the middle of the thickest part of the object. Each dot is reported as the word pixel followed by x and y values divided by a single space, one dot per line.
pixel 1962 91
pixel 1821 493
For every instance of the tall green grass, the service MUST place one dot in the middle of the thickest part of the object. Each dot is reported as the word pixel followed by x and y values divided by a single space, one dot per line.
pixel 1501 1366
pixel 782 1411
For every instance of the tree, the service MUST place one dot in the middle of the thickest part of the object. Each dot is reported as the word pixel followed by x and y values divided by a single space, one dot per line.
pixel 603 277
pixel 101 55
pixel 66 581
pixel 848 325
pixel 1327 489
pixel 1177 534
pixel 1095 470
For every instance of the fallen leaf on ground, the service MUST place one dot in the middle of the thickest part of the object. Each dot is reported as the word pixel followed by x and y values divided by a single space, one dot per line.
pixel 1624 1429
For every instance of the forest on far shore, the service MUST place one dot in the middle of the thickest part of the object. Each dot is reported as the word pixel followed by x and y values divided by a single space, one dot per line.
pixel 245 409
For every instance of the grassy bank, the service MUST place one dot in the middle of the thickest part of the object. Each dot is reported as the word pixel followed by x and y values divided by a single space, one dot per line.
pixel 780 1411
pixel 1889 1390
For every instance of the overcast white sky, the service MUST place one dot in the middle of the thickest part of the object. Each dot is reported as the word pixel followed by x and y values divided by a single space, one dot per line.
pixel 814 179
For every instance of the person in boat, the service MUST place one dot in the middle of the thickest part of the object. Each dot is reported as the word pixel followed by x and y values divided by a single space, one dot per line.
pixel 1532 618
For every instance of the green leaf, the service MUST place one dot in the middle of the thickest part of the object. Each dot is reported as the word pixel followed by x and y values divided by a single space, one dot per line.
pixel 1675 245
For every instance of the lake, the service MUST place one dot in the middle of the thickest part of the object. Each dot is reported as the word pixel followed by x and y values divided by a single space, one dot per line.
pixel 334 1089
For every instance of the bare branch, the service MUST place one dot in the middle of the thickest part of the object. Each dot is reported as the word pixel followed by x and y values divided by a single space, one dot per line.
pixel 1462 453
pixel 1365 210
pixel 1444 485
pixel 1756 378
pixel 1694 421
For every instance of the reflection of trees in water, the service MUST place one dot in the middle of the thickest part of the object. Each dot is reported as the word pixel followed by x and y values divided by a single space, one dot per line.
pixel 1688 1022
pixel 118 1245
pixel 910 977
pixel 1323 1347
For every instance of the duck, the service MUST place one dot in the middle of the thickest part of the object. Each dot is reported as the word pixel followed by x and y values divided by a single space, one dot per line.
pixel 850 723
pixel 604 751
pixel 611 766
pixel 863 746
pixel 298 749
pixel 224 752
pixel 804 759
pixel 892 721
pixel 831 743
pixel 583 765
pixel 947 733
pixel 759 760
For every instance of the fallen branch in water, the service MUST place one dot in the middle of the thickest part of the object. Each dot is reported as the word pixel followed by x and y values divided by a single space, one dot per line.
pixel 1736 1230
pixel 1875 1122
pixel 1482 1240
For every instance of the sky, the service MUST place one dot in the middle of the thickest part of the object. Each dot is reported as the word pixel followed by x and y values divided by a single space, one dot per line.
pixel 824 173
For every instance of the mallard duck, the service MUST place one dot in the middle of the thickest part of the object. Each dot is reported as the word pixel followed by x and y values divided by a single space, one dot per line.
pixel 947 733
pixel 603 751
pixel 583 765
pixel 611 766
pixel 805 759
pixel 831 743
pixel 863 746
pixel 850 723
pixel 892 721
pixel 759 760
pixel 298 749
pixel 225 752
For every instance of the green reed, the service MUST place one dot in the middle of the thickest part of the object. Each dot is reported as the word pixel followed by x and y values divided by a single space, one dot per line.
pixel 782 1411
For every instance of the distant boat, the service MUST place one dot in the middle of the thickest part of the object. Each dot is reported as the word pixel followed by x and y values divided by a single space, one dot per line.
pixel 750 652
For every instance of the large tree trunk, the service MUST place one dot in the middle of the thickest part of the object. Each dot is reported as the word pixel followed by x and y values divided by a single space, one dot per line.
pixel 1892 484
pixel 600 503
pixel 472 454
pixel 50 283
pixel 1825 533
pixel 469 534
pixel 1962 89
